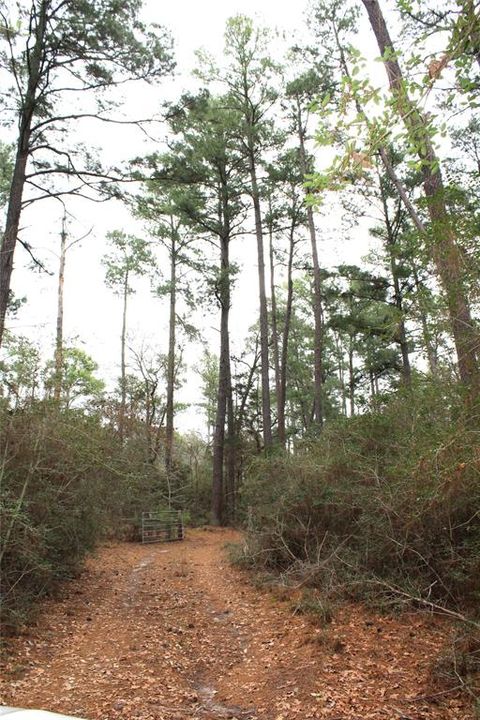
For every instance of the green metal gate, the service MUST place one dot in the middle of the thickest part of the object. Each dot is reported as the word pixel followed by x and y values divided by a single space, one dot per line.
pixel 162 526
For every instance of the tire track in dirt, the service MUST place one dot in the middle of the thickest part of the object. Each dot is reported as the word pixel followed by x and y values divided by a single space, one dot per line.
pixel 166 632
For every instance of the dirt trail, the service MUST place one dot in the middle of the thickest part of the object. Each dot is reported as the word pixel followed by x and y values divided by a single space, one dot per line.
pixel 168 632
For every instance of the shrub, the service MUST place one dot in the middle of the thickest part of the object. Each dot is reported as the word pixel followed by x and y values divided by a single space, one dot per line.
pixel 65 484
pixel 385 504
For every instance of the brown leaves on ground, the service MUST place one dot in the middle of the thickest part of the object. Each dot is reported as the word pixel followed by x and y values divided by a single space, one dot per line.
pixel 168 632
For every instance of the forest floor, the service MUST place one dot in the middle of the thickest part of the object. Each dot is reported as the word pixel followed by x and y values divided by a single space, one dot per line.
pixel 173 632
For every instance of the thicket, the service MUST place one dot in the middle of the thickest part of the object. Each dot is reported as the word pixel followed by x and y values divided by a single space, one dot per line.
pixel 67 483
pixel 383 506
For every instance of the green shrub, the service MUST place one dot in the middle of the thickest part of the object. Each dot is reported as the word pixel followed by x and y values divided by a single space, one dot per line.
pixel 383 505
pixel 66 483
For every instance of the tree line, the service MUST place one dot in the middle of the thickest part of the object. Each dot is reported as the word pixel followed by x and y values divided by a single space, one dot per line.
pixel 269 144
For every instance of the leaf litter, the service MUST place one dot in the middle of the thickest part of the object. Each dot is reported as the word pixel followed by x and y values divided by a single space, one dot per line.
pixel 168 632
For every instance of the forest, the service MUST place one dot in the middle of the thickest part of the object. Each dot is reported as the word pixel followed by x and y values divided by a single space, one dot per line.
pixel 333 176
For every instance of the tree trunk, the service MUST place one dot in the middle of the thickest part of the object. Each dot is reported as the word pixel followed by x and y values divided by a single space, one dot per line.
pixel 223 386
pixel 285 338
pixel 401 190
pixel 341 372
pixel 427 336
pixel 397 292
pixel 14 207
pixel 231 453
pixel 275 342
pixel 351 378
pixel 265 364
pixel 402 333
pixel 445 252
pixel 57 391
pixel 169 429
pixel 123 371
pixel 246 392
pixel 317 285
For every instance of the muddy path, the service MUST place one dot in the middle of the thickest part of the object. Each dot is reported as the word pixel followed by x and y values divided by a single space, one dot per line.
pixel 167 632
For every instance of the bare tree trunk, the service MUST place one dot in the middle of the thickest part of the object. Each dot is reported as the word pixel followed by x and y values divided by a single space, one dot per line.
pixel 223 386
pixel 401 333
pixel 351 378
pixel 231 453
pixel 123 370
pixel 397 292
pixel 11 228
pixel 219 435
pixel 265 364
pixel 445 252
pixel 246 392
pixel 14 208
pixel 57 391
pixel 169 419
pixel 341 372
pixel 317 284
pixel 275 342
pixel 285 339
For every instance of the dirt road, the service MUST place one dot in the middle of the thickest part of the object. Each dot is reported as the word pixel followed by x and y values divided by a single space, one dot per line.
pixel 168 632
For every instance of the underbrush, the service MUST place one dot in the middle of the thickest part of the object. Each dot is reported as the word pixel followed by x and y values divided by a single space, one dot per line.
pixel 65 484
pixel 459 664
pixel 383 508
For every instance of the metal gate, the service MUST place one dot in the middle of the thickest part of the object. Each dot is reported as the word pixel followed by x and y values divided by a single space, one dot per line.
pixel 162 526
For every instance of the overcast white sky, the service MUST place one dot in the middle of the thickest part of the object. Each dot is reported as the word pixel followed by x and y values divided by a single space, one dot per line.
pixel 93 313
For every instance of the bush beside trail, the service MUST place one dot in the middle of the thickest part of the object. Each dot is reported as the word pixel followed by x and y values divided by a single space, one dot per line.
pixel 385 505
pixel 66 483
pixel 383 508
